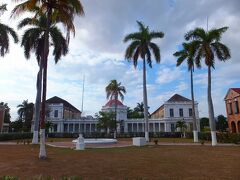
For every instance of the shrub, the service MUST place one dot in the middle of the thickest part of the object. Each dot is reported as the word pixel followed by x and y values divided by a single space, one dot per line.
pixel 15 136
pixel 156 141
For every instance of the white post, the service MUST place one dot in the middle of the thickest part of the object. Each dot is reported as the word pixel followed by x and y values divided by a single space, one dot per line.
pixel 195 136
pixel 214 138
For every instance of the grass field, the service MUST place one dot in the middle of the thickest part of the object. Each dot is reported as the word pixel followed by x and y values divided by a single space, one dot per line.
pixel 150 162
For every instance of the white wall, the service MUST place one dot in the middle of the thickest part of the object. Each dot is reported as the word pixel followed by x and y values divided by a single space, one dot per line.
pixel 52 108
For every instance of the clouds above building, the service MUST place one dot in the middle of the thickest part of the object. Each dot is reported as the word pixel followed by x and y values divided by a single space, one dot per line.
pixel 97 51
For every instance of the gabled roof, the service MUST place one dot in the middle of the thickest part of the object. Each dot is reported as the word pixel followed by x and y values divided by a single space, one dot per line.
pixel 237 90
pixel 174 98
pixel 112 102
pixel 59 100
pixel 157 109
pixel 178 98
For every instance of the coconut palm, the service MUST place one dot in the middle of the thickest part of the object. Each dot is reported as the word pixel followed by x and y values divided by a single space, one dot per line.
pixel 5 31
pixel 208 46
pixel 140 109
pixel 113 90
pixel 142 45
pixel 187 54
pixel 32 40
pixel 25 112
pixel 62 11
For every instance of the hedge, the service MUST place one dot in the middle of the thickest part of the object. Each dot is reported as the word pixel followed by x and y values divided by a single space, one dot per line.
pixel 206 136
pixel 15 136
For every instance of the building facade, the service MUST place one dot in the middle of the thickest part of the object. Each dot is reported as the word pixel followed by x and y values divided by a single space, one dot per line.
pixel 165 118
pixel 232 102
pixel 4 127
pixel 66 118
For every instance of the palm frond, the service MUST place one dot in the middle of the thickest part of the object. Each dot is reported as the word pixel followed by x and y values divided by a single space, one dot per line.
pixel 133 36
pixel 156 51
pixel 131 48
pixel 154 34
pixel 221 50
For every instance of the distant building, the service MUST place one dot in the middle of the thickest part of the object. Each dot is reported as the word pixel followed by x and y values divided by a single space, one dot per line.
pixel 164 119
pixel 4 127
pixel 121 112
pixel 66 118
pixel 232 101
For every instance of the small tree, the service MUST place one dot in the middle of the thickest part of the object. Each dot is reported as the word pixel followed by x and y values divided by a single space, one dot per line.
pixel 182 126
pixel 106 121
pixel 222 123
pixel 204 122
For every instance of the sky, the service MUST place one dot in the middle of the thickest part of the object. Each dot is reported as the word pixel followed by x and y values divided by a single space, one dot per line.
pixel 97 52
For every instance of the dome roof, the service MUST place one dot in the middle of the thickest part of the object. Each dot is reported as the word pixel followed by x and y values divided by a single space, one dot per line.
pixel 112 102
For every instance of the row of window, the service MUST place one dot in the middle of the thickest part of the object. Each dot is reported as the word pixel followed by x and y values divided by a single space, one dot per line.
pixel 236 108
pixel 190 112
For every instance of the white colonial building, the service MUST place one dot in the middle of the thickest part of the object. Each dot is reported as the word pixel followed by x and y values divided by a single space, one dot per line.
pixel 66 118
pixel 164 119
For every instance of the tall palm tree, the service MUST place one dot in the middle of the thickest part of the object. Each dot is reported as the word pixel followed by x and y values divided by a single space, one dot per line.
pixel 61 11
pixel 32 40
pixel 187 54
pixel 209 46
pixel 4 34
pixel 142 45
pixel 25 112
pixel 113 90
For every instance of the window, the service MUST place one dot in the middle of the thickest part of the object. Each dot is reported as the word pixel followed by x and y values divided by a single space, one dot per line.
pixel 230 111
pixel 236 107
pixel 171 113
pixel 56 113
pixel 190 112
pixel 181 112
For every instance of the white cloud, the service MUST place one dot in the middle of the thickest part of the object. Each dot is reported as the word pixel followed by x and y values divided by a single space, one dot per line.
pixel 167 75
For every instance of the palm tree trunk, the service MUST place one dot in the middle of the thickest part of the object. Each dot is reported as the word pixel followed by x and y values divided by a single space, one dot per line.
pixel 145 101
pixel 37 105
pixel 195 131
pixel 211 110
pixel 42 153
pixel 115 132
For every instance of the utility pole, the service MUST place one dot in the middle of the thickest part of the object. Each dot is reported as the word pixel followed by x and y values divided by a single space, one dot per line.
pixel 83 91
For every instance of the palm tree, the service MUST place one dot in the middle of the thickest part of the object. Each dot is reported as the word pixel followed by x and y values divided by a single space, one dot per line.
pixel 32 40
pixel 188 53
pixel 25 112
pixel 142 45
pixel 208 46
pixel 4 34
pixel 182 125
pixel 113 90
pixel 62 11
pixel 140 109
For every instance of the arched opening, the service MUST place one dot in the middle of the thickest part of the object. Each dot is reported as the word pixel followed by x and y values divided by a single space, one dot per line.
pixel 238 125
pixel 233 127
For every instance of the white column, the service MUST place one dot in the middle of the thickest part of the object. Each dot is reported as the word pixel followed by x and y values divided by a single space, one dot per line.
pixel 68 127
pixel 73 127
pixel 165 127
pixel 159 127
pixel 90 126
pixel 84 128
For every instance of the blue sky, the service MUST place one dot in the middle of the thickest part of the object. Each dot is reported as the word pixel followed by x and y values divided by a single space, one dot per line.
pixel 97 51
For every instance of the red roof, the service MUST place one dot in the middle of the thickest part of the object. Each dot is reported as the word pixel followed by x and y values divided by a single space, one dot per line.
pixel 112 102
pixel 236 90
